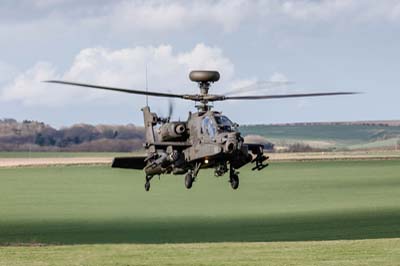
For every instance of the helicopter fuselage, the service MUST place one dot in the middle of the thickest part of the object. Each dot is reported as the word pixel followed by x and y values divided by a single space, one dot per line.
pixel 206 140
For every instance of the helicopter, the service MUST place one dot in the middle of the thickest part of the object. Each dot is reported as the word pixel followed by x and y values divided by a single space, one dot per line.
pixel 207 139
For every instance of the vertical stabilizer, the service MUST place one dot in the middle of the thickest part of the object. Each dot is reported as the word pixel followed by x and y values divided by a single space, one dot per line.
pixel 150 120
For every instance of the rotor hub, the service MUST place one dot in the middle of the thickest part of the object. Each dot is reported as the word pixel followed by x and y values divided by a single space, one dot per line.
pixel 204 78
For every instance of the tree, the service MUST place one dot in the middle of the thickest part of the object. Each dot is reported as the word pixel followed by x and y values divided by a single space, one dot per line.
pixel 39 139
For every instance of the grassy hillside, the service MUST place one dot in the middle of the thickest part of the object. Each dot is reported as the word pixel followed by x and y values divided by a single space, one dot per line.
pixel 329 135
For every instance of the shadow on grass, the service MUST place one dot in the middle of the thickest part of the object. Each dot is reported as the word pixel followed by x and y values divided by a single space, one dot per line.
pixel 332 226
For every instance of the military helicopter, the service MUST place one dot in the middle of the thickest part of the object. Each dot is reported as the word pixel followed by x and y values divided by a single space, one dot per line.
pixel 208 139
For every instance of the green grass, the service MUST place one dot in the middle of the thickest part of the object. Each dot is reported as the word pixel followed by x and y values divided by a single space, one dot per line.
pixel 286 202
pixel 338 253
pixel 102 216
pixel 393 142
pixel 26 154
pixel 322 132
pixel 338 135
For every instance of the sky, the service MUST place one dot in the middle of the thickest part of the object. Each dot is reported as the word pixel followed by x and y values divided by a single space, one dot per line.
pixel 316 45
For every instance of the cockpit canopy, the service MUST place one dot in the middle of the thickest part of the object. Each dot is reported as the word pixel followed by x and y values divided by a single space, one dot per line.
pixel 224 124
pixel 216 123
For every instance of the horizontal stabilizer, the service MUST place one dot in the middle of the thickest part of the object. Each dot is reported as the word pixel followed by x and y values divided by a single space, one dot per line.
pixel 129 162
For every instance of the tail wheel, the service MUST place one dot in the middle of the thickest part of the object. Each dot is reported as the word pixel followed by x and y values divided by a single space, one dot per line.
pixel 188 180
pixel 234 180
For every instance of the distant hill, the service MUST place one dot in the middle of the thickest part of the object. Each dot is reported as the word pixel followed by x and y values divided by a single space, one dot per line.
pixel 38 136
pixel 345 123
pixel 336 135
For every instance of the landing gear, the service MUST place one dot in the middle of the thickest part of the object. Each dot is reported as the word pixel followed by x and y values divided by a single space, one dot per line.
pixel 233 178
pixel 221 169
pixel 189 180
pixel 147 184
pixel 191 175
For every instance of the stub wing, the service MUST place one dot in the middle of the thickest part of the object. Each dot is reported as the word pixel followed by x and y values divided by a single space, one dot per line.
pixel 255 148
pixel 258 156
pixel 129 162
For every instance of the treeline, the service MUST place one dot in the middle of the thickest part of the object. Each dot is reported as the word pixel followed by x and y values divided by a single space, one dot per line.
pixel 38 136
pixel 384 123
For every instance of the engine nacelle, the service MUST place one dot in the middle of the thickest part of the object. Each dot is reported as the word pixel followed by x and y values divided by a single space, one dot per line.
pixel 173 131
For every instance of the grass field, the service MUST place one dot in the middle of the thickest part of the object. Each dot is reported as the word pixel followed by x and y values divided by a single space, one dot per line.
pixel 346 133
pixel 97 215
pixel 324 136
pixel 25 154
pixel 338 253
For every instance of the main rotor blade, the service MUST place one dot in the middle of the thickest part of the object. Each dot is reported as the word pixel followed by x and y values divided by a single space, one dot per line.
pixel 260 85
pixel 258 97
pixel 150 93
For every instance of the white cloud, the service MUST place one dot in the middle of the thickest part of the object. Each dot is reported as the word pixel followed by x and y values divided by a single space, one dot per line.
pixel 278 77
pixel 174 15
pixel 29 89
pixel 317 10
pixel 203 57
pixel 123 68
pixel 149 16
pixel 342 11
pixel 161 16
pixel 7 72
pixel 276 84
pixel 228 15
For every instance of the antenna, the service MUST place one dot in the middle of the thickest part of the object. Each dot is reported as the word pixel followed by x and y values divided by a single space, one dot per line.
pixel 147 89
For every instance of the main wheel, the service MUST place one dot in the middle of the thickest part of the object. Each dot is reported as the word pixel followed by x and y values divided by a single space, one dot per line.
pixel 188 180
pixel 147 186
pixel 234 180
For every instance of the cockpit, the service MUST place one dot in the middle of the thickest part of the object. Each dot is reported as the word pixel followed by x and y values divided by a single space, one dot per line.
pixel 224 124
pixel 208 126
pixel 216 123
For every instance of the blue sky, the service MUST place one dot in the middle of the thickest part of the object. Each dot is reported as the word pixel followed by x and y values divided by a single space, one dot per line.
pixel 321 45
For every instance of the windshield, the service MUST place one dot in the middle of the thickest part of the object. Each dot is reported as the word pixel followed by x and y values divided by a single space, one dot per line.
pixel 208 127
pixel 224 124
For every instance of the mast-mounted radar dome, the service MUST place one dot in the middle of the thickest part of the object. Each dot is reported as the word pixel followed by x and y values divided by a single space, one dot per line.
pixel 204 76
